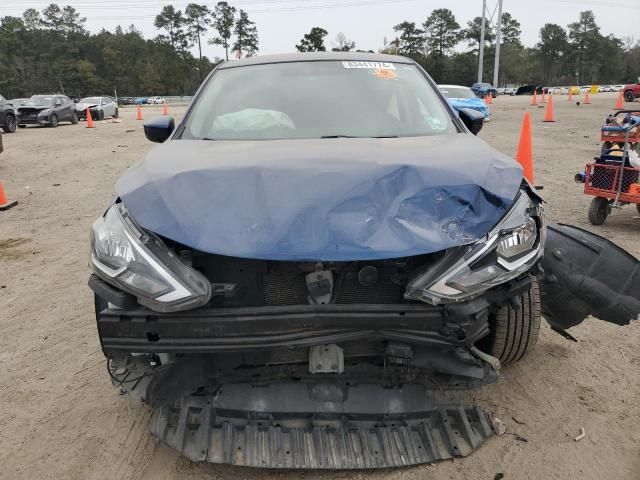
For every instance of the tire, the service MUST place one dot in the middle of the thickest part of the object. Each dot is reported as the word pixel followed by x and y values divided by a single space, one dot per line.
pixel 74 119
pixel 9 123
pixel 53 123
pixel 629 96
pixel 514 331
pixel 598 210
pixel 116 113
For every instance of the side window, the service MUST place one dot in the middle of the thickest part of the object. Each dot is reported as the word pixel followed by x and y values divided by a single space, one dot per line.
pixel 57 101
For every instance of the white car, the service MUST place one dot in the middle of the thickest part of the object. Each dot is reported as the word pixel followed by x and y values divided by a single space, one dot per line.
pixel 605 88
pixel 156 100
pixel 616 88
pixel 99 107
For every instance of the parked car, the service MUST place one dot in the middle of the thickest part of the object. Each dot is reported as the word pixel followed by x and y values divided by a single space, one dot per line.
pixel 7 116
pixel 140 101
pixel 528 90
pixel 574 90
pixel 483 89
pixel 18 102
pixel 617 88
pixel 585 88
pixel 47 110
pixel 99 107
pixel 631 91
pixel 463 97
pixel 156 100
pixel 353 249
pixel 605 88
pixel 126 101
pixel 558 90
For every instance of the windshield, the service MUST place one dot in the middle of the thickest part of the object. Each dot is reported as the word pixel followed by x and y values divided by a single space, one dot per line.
pixel 457 92
pixel 95 100
pixel 40 100
pixel 324 99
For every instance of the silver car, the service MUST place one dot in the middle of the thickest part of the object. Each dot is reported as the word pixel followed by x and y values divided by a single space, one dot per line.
pixel 99 107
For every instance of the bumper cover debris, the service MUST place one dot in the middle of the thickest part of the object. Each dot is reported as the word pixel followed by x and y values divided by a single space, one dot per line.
pixel 276 433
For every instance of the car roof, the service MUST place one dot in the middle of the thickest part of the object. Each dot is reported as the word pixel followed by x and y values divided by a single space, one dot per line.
pixel 316 57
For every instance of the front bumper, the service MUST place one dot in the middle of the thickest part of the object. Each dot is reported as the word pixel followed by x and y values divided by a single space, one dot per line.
pixel 34 120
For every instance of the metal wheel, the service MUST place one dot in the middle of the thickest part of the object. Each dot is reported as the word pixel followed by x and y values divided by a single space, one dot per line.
pixel 629 96
pixel 9 123
pixel 54 121
pixel 598 210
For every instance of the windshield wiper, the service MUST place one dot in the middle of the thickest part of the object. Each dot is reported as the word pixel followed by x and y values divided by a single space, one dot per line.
pixel 353 136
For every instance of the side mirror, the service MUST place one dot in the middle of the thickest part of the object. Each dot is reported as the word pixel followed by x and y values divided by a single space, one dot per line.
pixel 159 129
pixel 472 119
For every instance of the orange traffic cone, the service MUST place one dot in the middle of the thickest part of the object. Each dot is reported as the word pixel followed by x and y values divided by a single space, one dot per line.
pixel 525 150
pixel 548 114
pixel 534 99
pixel 542 99
pixel 139 115
pixel 570 96
pixel 619 104
pixel 89 119
pixel 587 99
pixel 165 109
pixel 5 204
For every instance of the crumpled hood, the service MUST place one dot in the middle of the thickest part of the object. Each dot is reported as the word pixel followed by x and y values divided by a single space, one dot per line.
pixel 34 107
pixel 83 106
pixel 329 199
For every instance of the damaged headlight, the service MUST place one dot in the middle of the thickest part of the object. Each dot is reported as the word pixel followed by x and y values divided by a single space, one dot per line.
pixel 139 263
pixel 508 251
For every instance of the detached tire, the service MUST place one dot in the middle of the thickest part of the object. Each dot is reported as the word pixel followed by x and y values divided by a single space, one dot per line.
pixel 598 210
pixel 514 331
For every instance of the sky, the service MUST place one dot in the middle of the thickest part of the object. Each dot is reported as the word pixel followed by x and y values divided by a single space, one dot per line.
pixel 282 23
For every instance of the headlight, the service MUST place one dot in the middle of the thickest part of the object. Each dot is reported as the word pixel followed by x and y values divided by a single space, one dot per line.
pixel 45 112
pixel 508 251
pixel 139 263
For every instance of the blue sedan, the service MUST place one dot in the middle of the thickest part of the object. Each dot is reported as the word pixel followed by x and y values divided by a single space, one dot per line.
pixel 463 97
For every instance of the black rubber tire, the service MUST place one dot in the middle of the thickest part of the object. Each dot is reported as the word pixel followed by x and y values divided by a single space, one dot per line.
pixel 514 331
pixel 53 123
pixel 116 113
pixel 9 123
pixel 598 210
pixel 629 96
pixel 75 119
pixel 100 115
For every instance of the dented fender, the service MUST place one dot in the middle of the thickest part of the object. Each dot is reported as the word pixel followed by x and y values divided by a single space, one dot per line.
pixel 585 274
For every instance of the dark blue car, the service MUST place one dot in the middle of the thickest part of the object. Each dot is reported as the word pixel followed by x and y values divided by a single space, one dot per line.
pixel 318 249
pixel 484 89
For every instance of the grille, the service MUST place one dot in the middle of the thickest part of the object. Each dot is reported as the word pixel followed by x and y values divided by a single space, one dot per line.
pixel 283 287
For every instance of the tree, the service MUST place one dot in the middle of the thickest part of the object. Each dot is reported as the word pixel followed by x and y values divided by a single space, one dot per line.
pixel 551 47
pixel 473 32
pixel 32 19
pixel 442 31
pixel 510 30
pixel 343 44
pixel 66 20
pixel 411 39
pixel 223 22
pixel 313 41
pixel 171 21
pixel 246 35
pixel 584 36
pixel 197 18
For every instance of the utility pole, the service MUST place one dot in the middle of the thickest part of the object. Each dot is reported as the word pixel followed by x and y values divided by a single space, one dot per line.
pixel 481 46
pixel 496 64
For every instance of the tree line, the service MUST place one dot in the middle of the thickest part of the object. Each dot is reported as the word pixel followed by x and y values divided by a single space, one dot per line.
pixel 52 51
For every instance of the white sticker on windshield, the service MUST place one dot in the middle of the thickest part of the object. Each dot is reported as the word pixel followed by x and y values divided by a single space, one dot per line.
pixel 370 65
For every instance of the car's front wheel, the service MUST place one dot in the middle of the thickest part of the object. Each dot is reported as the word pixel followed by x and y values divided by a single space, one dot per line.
pixel 74 119
pixel 514 329
pixel 53 123
pixel 9 123
pixel 116 113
